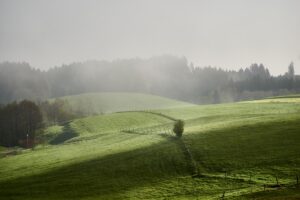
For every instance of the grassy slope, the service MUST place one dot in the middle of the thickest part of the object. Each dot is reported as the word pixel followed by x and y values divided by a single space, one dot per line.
pixel 96 103
pixel 2 148
pixel 260 140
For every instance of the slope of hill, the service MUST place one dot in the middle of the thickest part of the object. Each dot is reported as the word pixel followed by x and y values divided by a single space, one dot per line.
pixel 239 151
pixel 97 103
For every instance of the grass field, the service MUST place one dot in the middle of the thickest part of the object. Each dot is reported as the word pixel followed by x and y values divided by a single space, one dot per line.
pixel 238 149
pixel 98 103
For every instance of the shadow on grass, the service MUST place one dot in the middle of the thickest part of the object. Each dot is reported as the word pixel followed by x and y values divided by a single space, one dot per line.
pixel 265 145
pixel 290 193
pixel 113 176
pixel 67 134
pixel 105 178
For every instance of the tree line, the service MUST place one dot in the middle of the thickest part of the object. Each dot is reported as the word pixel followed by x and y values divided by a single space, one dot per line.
pixel 167 76
pixel 21 122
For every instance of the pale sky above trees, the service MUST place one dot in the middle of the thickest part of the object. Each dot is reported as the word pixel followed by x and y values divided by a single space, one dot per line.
pixel 224 33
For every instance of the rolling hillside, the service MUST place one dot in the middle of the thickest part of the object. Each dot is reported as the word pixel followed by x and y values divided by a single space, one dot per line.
pixel 239 151
pixel 98 103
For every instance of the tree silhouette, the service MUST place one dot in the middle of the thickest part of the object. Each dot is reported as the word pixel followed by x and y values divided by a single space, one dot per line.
pixel 178 128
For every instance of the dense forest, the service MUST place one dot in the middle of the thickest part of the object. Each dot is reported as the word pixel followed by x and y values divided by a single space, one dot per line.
pixel 167 76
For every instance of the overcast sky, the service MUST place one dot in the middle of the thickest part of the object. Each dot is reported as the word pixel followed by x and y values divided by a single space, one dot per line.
pixel 224 33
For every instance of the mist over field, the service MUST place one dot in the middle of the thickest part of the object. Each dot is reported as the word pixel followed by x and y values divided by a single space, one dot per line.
pixel 168 76
pixel 141 99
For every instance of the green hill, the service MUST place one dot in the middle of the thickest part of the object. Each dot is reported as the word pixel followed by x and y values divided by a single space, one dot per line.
pixel 237 150
pixel 98 103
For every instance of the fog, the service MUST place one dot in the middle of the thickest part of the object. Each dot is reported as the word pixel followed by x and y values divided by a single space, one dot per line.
pixel 228 34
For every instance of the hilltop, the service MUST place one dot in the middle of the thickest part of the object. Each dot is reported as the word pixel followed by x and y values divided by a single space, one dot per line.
pixel 108 102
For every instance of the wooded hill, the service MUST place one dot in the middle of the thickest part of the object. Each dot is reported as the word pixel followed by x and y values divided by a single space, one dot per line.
pixel 167 76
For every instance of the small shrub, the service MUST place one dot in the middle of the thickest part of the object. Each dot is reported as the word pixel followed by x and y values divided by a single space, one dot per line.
pixel 178 128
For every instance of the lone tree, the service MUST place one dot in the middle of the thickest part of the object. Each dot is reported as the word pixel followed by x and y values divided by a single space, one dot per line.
pixel 178 128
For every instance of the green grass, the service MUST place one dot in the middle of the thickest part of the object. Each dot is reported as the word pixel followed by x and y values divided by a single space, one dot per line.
pixel 132 155
pixel 284 194
pixel 2 148
pixel 52 132
pixel 286 96
pixel 98 103
pixel 104 124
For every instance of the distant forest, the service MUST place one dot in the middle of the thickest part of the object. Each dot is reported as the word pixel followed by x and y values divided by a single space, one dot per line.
pixel 167 76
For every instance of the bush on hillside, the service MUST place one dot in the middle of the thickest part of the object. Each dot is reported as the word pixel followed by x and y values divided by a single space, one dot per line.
pixel 178 128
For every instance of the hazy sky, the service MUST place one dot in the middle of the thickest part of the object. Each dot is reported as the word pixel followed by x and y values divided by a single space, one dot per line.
pixel 224 33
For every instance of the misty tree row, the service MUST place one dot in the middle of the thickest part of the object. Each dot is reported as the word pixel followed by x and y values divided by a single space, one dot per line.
pixel 167 76
pixel 22 123
pixel 19 123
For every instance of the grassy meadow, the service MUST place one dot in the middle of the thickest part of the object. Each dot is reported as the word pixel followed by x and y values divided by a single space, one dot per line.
pixel 108 102
pixel 245 150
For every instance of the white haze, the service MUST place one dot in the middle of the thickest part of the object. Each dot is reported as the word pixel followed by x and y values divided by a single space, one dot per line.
pixel 224 33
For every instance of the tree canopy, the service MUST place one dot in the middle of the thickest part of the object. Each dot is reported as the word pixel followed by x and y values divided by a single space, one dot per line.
pixel 19 122
pixel 178 128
